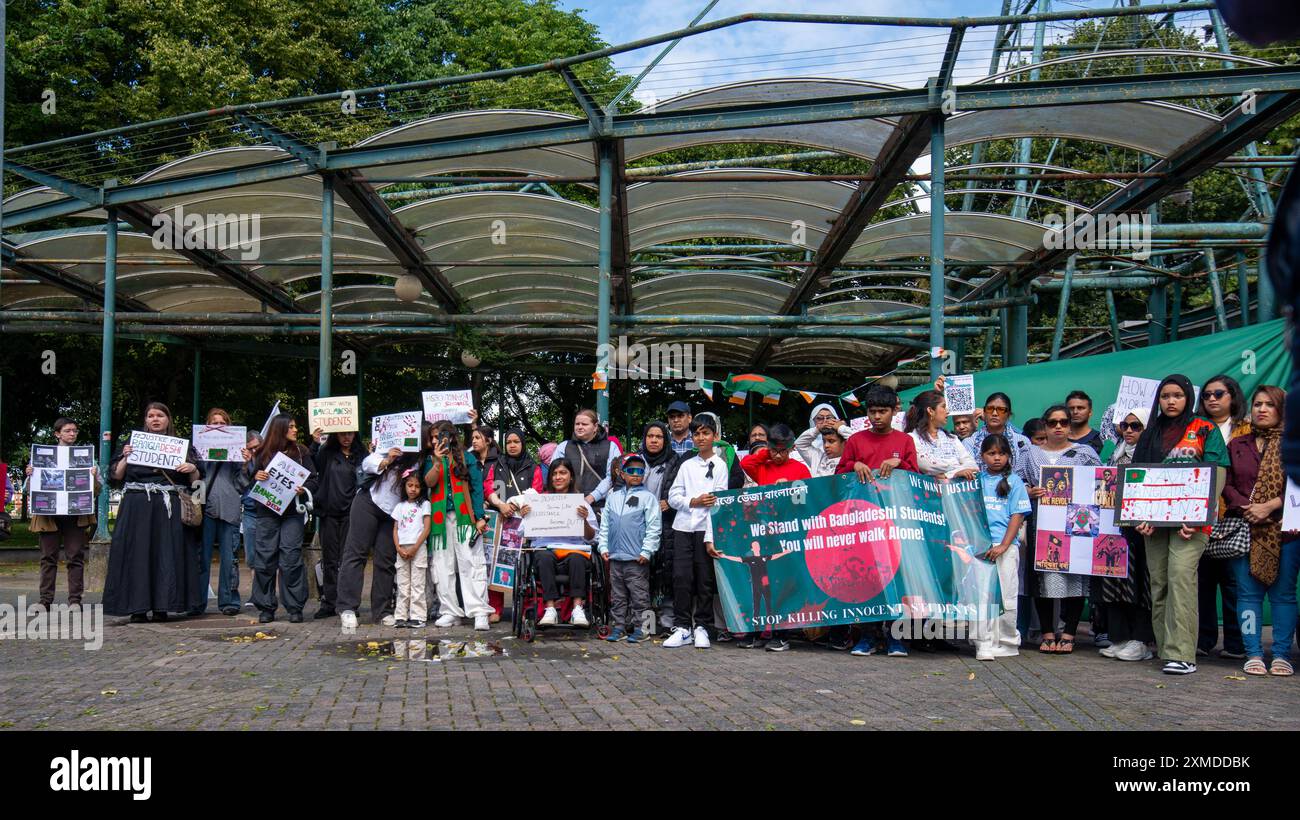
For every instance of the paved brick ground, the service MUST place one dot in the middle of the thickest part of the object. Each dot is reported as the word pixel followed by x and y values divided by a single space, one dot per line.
pixel 197 674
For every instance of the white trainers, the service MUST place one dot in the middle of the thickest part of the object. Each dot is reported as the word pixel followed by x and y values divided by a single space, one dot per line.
pixel 389 620
pixel 680 637
pixel 348 619
pixel 1109 650
pixel 984 653
pixel 702 638
pixel 1003 650
pixel 579 617
pixel 1133 651
pixel 481 623
pixel 549 618
pixel 446 620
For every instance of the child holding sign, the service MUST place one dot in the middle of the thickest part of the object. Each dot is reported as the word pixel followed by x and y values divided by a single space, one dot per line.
pixel 412 518
pixel 277 534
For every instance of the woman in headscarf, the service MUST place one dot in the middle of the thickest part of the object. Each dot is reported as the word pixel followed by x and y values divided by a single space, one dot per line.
pixel 1127 601
pixel 1176 434
pixel 1255 491
pixel 660 459
pixel 510 474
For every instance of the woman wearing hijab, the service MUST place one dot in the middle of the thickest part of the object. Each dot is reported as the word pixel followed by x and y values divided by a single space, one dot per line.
pixel 1176 434
pixel 1254 491
pixel 510 475
pixel 1127 601
pixel 660 459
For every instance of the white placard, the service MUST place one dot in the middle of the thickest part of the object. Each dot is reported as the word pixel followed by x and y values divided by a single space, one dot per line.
pixel 451 405
pixel 400 430
pixel 284 477
pixel 1136 392
pixel 220 442
pixel 553 514
pixel 959 393
pixel 63 480
pixel 153 450
pixel 859 424
pixel 1291 507
pixel 338 414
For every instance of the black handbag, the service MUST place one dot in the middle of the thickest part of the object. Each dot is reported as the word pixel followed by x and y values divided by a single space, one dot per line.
pixel 1230 538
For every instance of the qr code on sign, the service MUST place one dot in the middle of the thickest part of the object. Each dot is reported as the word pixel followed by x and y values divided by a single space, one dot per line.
pixel 960 400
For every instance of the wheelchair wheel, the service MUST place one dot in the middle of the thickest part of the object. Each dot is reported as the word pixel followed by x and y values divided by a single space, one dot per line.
pixel 603 631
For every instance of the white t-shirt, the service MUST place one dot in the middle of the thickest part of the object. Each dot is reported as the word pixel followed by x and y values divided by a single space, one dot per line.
pixel 410 521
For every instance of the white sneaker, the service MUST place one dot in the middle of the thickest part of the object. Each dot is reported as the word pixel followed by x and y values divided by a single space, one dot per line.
pixel 680 637
pixel 388 620
pixel 481 623
pixel 1006 651
pixel 1109 651
pixel 348 619
pixel 984 653
pixel 446 620
pixel 549 618
pixel 1133 651
pixel 702 638
pixel 579 617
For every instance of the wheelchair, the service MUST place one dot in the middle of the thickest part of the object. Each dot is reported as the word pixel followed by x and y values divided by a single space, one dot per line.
pixel 529 603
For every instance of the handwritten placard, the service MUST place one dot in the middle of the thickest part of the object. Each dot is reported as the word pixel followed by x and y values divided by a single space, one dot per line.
pixel 553 514
pixel 1136 392
pixel 449 405
pixel 337 414
pixel 284 477
pixel 400 430
pixel 1167 495
pixel 1291 507
pixel 154 450
pixel 220 442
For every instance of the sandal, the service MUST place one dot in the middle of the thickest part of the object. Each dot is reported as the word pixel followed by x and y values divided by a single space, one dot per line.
pixel 1048 646
pixel 1282 668
pixel 1255 666
pixel 1065 646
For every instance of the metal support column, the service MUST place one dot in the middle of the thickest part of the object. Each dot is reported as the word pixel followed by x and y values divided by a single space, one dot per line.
pixel 1267 295
pixel 1114 320
pixel 1062 307
pixel 106 367
pixel 1176 310
pixel 1216 289
pixel 361 387
pixel 198 371
pixel 937 289
pixel 326 365
pixel 1243 288
pixel 606 264
pixel 1158 311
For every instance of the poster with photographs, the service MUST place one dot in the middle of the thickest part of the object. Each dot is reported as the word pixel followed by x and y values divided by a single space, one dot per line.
pixel 1077 531
pixel 63 479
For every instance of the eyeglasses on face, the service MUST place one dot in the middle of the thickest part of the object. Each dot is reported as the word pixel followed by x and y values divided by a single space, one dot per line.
pixel 634 471
pixel 1215 394
pixel 823 417
pixel 994 410
pixel 1057 422
pixel 1135 426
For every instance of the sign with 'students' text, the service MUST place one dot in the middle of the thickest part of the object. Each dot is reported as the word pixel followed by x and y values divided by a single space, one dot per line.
pixel 338 414
pixel 155 450
pixel 1168 495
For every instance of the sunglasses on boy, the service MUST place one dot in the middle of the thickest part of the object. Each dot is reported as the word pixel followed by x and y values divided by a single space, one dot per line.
pixel 634 471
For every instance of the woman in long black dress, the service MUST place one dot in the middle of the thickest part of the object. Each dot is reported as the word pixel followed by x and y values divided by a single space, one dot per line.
pixel 153 560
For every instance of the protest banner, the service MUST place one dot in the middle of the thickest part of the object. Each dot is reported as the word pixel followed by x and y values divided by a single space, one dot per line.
pixel 959 393
pixel 1076 531
pixel 449 405
pixel 283 478
pixel 1291 507
pixel 338 414
pixel 400 430
pixel 834 550
pixel 219 442
pixel 154 450
pixel 63 480
pixel 1168 495
pixel 552 514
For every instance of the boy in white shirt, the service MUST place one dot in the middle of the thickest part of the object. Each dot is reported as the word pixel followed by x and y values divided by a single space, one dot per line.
pixel 692 495
pixel 411 522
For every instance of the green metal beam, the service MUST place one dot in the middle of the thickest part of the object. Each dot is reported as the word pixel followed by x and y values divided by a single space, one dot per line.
pixel 109 331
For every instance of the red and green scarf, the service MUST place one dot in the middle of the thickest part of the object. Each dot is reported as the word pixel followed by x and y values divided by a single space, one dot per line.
pixel 438 502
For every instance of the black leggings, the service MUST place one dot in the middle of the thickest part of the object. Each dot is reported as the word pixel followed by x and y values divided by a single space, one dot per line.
pixel 1071 611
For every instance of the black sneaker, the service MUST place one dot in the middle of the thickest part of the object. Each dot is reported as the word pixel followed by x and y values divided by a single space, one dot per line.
pixel 1179 668
pixel 778 645
pixel 139 618
pixel 265 618
pixel 724 637
pixel 160 617
pixel 401 623
pixel 747 642
pixel 324 612
pixel 230 611
pixel 295 617
pixel 415 624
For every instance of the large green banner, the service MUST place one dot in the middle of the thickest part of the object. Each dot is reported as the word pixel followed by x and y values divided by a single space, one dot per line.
pixel 835 550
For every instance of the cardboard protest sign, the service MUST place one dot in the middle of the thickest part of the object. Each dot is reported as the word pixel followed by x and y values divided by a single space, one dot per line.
pixel 1168 495
pixel 284 477
pixel 400 430
pixel 63 480
pixel 507 534
pixel 553 514
pixel 338 414
pixel 451 405
pixel 1135 392
pixel 154 450
pixel 1076 531
pixel 959 393
pixel 1291 507
pixel 219 442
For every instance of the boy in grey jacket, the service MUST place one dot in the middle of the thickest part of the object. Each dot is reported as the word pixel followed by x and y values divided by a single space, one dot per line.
pixel 629 536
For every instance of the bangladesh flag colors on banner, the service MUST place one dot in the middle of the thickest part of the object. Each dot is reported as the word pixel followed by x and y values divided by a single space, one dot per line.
pixel 834 550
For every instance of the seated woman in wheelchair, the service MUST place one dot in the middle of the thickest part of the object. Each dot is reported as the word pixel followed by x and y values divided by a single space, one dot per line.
pixel 573 551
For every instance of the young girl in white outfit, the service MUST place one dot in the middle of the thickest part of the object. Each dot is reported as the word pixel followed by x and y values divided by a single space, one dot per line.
pixel 411 517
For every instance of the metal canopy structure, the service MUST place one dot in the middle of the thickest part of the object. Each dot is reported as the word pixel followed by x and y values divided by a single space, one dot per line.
pixel 550 229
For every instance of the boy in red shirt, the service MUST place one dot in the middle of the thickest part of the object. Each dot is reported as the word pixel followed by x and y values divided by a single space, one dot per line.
pixel 883 449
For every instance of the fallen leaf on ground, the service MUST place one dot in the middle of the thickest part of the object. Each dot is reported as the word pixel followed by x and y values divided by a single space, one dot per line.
pixel 108 692
pixel 857 722
pixel 1234 677
pixel 971 676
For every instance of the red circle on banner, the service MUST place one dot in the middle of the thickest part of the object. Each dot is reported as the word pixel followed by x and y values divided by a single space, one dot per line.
pixel 854 572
